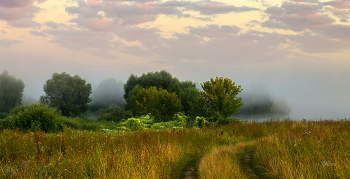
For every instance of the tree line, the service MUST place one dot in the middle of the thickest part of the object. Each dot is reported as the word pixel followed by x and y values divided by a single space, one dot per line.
pixel 156 93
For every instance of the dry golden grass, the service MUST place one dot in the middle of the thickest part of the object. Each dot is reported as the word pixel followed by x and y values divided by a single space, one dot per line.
pixel 224 162
pixel 307 150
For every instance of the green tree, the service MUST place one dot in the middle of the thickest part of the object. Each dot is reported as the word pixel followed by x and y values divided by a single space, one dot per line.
pixel 11 92
pixel 131 105
pixel 186 90
pixel 188 94
pixel 69 94
pixel 220 97
pixel 160 103
pixel 161 79
pixel 108 92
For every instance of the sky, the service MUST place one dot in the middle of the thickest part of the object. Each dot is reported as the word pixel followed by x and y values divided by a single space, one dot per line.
pixel 298 50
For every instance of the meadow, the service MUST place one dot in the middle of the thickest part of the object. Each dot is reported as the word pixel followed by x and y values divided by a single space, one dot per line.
pixel 270 149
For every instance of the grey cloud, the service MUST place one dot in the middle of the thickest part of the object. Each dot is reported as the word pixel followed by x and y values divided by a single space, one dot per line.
pixel 24 23
pixel 215 31
pixel 11 14
pixel 278 25
pixel 84 10
pixel 149 37
pixel 340 32
pixel 55 25
pixel 309 1
pixel 123 13
pixel 341 13
pixel 3 31
pixel 252 23
pixel 225 48
pixel 219 8
pixel 317 44
pixel 338 4
pixel 344 20
pixel 15 3
pixel 203 18
pixel 297 17
pixel 103 54
pixel 8 43
pixel 137 51
pixel 37 33
pixel 19 13
pixel 82 39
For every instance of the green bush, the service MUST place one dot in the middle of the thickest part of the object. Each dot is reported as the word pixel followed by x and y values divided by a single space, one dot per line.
pixel 35 116
pixel 179 122
pixel 132 124
pixel 201 122
pixel 6 124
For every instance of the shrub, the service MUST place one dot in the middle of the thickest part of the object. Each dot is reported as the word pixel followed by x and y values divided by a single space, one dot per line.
pixel 179 122
pixel 6 124
pixel 31 117
pixel 132 124
pixel 201 122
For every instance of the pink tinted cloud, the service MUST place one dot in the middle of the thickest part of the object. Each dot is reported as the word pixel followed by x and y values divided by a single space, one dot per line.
pixel 297 17
pixel 3 31
pixel 341 13
pixel 339 4
pixel 19 13
pixel 310 1
pixel 9 14
pixel 96 24
pixel 94 2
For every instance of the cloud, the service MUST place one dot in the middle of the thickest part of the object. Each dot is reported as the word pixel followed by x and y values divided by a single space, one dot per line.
pixel 8 43
pixel 252 23
pixel 122 13
pixel 215 31
pixel 340 32
pixel 37 33
pixel 19 13
pixel 212 8
pixel 344 20
pixel 137 51
pixel 3 31
pixel 341 4
pixel 82 39
pixel 55 25
pixel 15 3
pixel 104 54
pixel 297 17
pixel 317 44
pixel 225 46
pixel 341 13
pixel 309 1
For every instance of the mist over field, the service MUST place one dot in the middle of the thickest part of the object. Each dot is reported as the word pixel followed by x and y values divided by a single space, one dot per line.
pixel 296 52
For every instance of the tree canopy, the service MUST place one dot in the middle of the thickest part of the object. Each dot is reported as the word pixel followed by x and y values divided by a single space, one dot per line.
pixel 11 92
pixel 68 94
pixel 220 97
pixel 185 90
pixel 161 104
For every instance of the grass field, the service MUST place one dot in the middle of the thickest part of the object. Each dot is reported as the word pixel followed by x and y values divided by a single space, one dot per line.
pixel 273 149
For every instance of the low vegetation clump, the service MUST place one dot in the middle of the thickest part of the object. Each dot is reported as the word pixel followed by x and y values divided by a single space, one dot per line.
pixel 34 117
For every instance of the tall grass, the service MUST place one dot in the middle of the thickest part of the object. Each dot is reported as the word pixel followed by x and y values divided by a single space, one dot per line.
pixel 290 149
pixel 314 149
pixel 82 154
